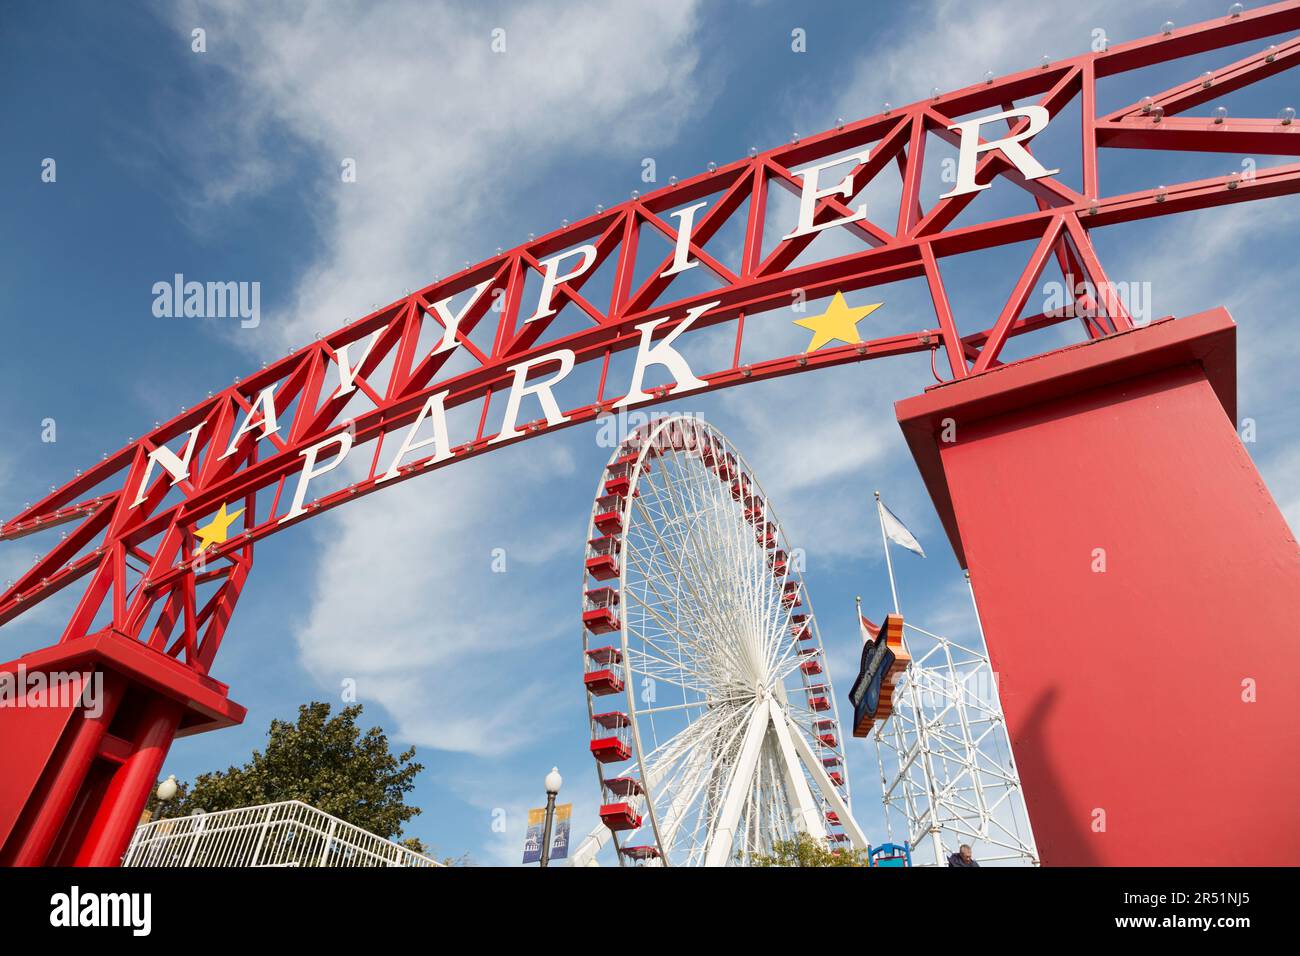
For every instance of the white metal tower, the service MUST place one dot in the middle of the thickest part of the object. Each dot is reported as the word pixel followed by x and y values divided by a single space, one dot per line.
pixel 947 772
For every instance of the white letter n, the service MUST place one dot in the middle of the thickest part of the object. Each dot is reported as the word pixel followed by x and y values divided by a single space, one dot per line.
pixel 177 467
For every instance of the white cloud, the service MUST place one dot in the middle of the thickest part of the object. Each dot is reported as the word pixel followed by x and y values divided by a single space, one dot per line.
pixel 1230 243
pixel 1226 264
pixel 444 132
pixel 820 447
pixel 446 135
pixel 406 603
pixel 955 42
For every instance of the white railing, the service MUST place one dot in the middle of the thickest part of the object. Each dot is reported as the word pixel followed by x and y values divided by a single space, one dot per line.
pixel 289 833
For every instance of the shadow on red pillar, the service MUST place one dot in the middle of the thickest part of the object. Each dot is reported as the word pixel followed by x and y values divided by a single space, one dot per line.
pixel 1139 590
pixel 79 767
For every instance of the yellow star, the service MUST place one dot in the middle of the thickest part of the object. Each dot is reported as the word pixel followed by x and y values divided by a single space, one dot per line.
pixel 215 531
pixel 839 322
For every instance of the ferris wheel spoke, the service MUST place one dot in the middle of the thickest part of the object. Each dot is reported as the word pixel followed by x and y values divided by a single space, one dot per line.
pixel 716 624
pixel 652 608
pixel 692 704
pixel 715 732
pixel 654 580
pixel 672 631
pixel 718 747
pixel 690 789
pixel 700 514
pixel 658 678
pixel 717 722
pixel 786 667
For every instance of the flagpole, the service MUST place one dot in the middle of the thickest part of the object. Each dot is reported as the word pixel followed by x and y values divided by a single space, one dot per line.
pixel 889 564
pixel 934 829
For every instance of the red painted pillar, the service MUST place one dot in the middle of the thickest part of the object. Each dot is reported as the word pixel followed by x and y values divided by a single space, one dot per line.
pixel 73 783
pixel 128 791
pixel 69 776
pixel 1139 590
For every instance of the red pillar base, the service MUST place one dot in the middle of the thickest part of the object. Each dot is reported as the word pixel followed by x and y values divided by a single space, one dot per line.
pixel 78 770
pixel 1139 590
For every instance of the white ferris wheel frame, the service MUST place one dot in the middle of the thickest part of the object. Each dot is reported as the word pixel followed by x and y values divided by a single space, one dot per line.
pixel 767 719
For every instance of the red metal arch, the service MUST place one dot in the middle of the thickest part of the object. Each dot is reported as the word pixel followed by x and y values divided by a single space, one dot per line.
pixel 147 586
pixel 911 247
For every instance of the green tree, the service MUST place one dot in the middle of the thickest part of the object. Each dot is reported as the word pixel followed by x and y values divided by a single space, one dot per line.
pixel 803 850
pixel 324 761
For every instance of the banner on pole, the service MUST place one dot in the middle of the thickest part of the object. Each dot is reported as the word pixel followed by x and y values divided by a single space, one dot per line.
pixel 559 833
pixel 560 839
pixel 533 838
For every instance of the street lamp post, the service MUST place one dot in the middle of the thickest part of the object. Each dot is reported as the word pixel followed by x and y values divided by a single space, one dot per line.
pixel 167 789
pixel 552 783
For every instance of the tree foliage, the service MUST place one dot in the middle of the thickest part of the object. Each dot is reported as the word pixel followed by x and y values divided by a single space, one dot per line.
pixel 804 850
pixel 325 761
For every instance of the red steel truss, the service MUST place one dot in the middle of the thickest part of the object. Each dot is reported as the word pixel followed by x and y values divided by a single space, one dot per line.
pixel 145 582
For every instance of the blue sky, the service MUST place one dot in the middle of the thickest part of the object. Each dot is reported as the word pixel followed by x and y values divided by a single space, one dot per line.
pixel 225 166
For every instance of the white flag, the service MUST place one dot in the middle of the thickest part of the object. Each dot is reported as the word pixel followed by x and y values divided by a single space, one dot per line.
pixel 896 531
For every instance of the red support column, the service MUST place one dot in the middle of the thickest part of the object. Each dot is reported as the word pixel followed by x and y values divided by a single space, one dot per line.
pixel 128 791
pixel 75 780
pixel 1139 590
pixel 69 777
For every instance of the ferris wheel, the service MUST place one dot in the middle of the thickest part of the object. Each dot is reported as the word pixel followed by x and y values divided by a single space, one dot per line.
pixel 713 720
